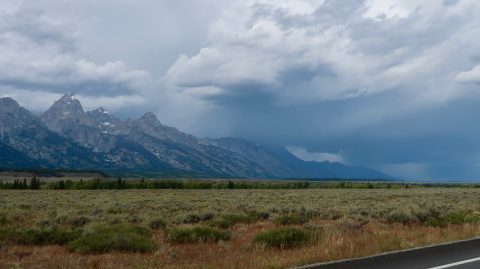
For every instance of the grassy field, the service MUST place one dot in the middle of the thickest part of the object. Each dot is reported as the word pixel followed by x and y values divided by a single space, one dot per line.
pixel 221 228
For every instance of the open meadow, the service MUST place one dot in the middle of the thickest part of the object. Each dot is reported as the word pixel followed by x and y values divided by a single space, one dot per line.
pixel 223 228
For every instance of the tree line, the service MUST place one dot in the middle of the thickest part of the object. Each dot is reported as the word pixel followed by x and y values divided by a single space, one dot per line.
pixel 120 183
pixel 18 184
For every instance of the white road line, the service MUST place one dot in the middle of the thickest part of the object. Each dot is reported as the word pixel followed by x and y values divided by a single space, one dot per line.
pixel 456 263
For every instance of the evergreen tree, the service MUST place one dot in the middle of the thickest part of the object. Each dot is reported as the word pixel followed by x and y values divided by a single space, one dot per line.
pixel 34 183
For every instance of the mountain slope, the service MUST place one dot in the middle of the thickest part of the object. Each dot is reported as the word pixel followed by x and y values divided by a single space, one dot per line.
pixel 66 136
pixel 22 132
pixel 10 157
pixel 256 153
pixel 186 152
pixel 144 143
pixel 313 169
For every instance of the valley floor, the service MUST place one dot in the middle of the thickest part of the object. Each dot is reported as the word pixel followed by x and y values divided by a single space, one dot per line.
pixel 220 228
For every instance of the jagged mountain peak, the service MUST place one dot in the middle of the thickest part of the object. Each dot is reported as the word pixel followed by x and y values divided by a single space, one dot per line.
pixel 69 97
pixel 99 139
pixel 101 110
pixel 106 122
pixel 13 116
pixel 65 111
pixel 149 117
pixel 8 99
pixel 68 102
pixel 8 104
pixel 101 114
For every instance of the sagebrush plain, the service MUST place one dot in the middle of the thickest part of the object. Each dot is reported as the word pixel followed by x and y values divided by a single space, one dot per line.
pixel 222 228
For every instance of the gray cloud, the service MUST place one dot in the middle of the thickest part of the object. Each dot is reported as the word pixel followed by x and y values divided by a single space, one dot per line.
pixel 335 51
pixel 41 54
pixel 387 84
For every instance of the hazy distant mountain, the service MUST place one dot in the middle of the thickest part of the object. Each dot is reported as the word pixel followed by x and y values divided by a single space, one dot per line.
pixel 256 153
pixel 313 169
pixel 286 165
pixel 66 136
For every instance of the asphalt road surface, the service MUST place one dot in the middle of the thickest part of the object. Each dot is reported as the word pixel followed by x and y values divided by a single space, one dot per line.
pixel 457 255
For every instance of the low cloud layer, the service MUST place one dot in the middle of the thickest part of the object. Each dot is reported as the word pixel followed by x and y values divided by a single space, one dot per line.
pixel 306 155
pixel 389 84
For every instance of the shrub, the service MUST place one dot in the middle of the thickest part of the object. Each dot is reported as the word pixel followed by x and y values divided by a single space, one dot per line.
pixel 472 218
pixel 196 218
pixel 456 218
pixel 74 221
pixel 192 218
pixel 351 226
pixel 4 220
pixel 437 222
pixel 263 215
pixel 113 221
pixel 78 221
pixel 38 236
pixel 228 221
pixel 196 234
pixel 282 238
pixel 451 218
pixel 44 223
pixel 104 238
pixel 293 219
pixel 134 219
pixel 401 217
pixel 157 223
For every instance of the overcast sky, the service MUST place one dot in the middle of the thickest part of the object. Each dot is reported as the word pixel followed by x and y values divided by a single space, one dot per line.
pixel 388 84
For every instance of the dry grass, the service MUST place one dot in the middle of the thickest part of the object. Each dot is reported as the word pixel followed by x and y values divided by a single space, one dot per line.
pixel 348 223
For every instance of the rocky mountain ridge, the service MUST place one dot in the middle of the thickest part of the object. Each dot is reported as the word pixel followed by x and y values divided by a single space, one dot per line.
pixel 65 136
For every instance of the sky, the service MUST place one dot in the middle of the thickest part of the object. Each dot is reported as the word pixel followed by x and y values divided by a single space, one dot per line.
pixel 387 84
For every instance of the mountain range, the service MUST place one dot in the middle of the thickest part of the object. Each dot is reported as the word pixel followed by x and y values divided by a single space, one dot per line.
pixel 67 137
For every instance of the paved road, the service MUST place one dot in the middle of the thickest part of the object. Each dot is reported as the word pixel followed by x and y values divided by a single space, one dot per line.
pixel 458 255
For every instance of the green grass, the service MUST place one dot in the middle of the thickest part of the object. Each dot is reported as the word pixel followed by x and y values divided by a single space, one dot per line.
pixel 196 234
pixel 78 208
pixel 164 221
pixel 223 209
pixel 38 236
pixel 104 238
pixel 282 238
pixel 453 219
